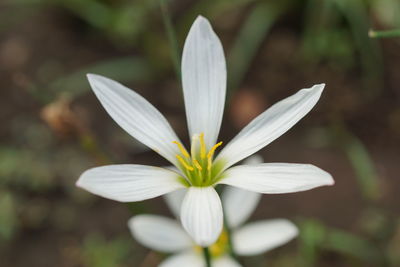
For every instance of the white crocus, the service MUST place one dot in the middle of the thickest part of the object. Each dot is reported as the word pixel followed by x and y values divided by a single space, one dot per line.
pixel 204 87
pixel 166 235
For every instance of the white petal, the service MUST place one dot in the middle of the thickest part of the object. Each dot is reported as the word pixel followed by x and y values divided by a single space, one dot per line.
pixel 225 261
pixel 159 233
pixel 136 116
pixel 128 183
pixel 203 80
pixel 174 201
pixel 185 259
pixel 201 215
pixel 254 159
pixel 276 178
pixel 238 205
pixel 172 168
pixel 269 125
pixel 259 237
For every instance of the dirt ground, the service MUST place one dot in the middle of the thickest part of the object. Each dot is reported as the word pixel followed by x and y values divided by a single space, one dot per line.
pixel 50 37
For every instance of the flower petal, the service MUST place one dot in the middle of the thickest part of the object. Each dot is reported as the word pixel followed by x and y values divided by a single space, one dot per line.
pixel 204 80
pixel 192 259
pixel 183 259
pixel 276 178
pixel 269 125
pixel 225 261
pixel 174 201
pixel 201 215
pixel 128 183
pixel 254 159
pixel 159 233
pixel 136 116
pixel 238 205
pixel 259 237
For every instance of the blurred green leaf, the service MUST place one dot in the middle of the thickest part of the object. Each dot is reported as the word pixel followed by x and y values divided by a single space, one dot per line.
pixel 249 39
pixel 172 39
pixel 312 234
pixel 130 20
pixel 121 21
pixel 212 9
pixel 376 223
pixel 120 69
pixel 315 238
pixel 363 166
pixel 360 159
pixel 356 14
pixel 99 252
pixel 350 244
pixel 345 24
pixel 24 168
pixel 8 215
pixel 321 30
pixel 94 12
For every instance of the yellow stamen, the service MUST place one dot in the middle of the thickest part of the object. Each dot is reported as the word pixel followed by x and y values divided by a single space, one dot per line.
pixel 202 146
pixel 216 250
pixel 220 246
pixel 197 165
pixel 211 154
pixel 209 163
pixel 182 149
pixel 182 161
pixel 212 150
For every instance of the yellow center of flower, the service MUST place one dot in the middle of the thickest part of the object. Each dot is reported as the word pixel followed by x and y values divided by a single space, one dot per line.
pixel 198 166
pixel 219 248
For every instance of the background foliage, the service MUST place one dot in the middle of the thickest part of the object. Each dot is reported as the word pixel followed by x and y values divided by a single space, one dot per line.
pixel 53 128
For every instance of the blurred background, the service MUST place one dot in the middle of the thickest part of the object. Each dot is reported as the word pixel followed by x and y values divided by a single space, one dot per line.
pixel 53 128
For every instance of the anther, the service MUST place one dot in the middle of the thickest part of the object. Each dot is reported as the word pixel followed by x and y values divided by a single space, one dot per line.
pixel 212 150
pixel 202 146
pixel 211 154
pixel 182 161
pixel 182 149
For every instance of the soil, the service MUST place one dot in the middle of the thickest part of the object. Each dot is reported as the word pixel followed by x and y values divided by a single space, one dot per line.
pixel 52 36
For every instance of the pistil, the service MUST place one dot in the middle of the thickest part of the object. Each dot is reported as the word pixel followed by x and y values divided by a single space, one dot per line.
pixel 197 165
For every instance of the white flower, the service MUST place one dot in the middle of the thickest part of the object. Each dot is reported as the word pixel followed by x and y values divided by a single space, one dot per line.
pixel 166 235
pixel 204 86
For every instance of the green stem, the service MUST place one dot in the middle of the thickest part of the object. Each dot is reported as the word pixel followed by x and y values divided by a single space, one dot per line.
pixel 173 42
pixel 228 231
pixel 384 34
pixel 230 243
pixel 207 257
